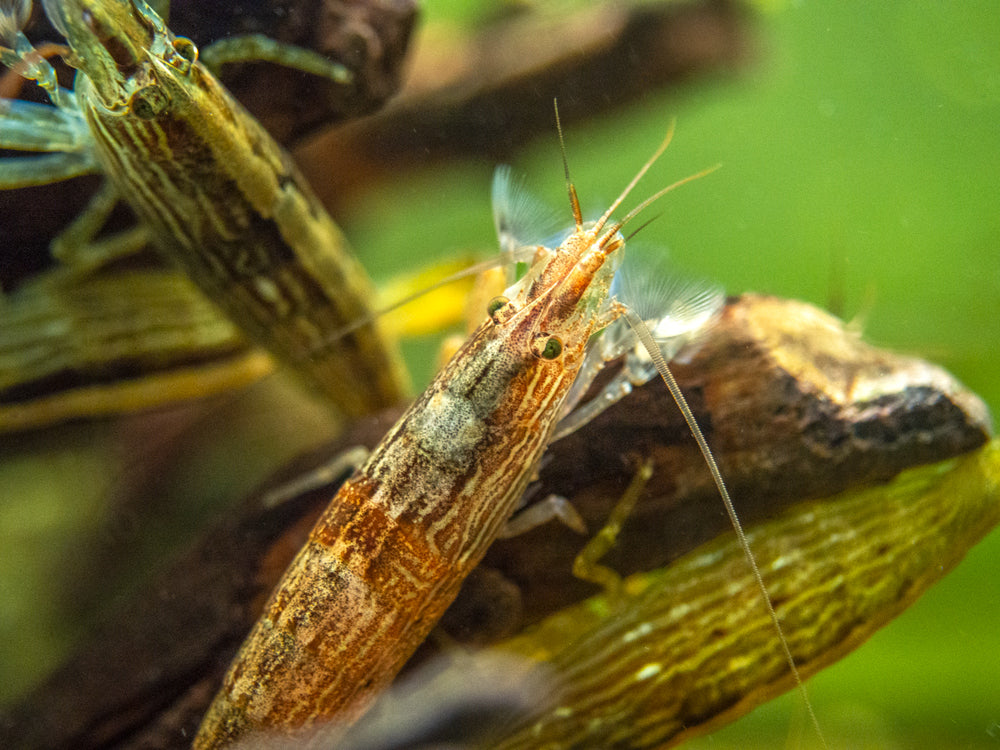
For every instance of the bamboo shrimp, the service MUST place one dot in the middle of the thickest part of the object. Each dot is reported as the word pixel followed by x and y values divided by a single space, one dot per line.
pixel 389 553
pixel 215 193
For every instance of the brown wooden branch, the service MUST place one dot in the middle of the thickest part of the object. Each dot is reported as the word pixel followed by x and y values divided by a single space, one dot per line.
pixel 370 37
pixel 486 95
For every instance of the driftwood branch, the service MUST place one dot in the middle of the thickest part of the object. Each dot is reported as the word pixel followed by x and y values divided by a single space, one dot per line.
pixel 486 95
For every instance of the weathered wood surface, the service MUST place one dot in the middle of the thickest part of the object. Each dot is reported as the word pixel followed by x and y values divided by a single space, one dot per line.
pixel 486 95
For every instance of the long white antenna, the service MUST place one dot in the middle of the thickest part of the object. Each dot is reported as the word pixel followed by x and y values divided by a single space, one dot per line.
pixel 642 331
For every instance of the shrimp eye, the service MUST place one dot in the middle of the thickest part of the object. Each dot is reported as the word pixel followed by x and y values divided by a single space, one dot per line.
pixel 500 309
pixel 545 346
pixel 148 102
pixel 187 54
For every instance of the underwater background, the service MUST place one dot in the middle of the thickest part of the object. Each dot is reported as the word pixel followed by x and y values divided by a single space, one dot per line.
pixel 860 153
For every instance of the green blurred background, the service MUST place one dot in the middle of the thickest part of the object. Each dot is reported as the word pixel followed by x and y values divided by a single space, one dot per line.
pixel 860 156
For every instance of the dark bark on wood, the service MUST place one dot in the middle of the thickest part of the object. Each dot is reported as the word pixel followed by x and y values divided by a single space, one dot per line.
pixel 370 37
pixel 484 97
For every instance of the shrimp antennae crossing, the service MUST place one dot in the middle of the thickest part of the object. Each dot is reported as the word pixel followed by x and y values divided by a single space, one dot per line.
pixel 642 331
